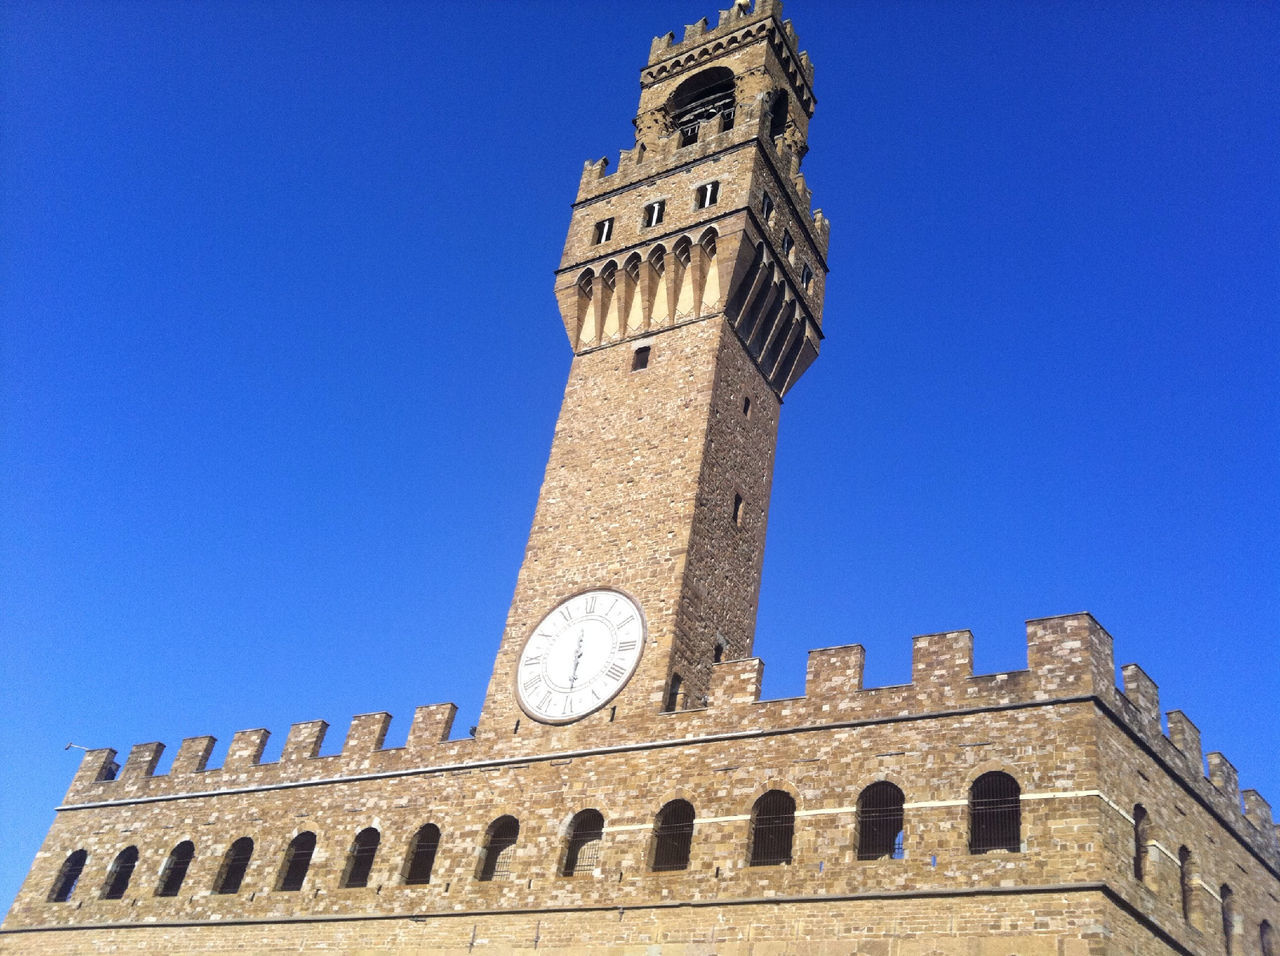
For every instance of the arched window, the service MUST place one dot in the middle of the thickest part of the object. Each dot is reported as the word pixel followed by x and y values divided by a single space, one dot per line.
pixel 773 825
pixel 297 860
pixel 68 877
pixel 499 848
pixel 175 869
pixel 880 822
pixel 234 865
pixel 422 855
pixel 360 860
pixel 1267 939
pixel 658 260
pixel 1184 881
pixel 681 250
pixel 708 243
pixel 673 836
pixel 586 831
pixel 1228 918
pixel 120 874
pixel 586 284
pixel 1141 835
pixel 995 814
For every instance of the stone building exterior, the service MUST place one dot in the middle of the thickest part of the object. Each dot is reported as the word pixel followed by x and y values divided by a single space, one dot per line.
pixel 626 790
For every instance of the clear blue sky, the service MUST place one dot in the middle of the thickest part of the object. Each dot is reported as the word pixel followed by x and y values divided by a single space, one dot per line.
pixel 280 360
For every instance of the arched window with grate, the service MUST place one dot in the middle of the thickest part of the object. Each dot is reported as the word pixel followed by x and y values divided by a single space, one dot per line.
pixel 422 855
pixel 175 869
pixel 773 825
pixel 499 848
pixel 234 866
pixel 673 836
pixel 68 876
pixel 297 860
pixel 995 814
pixel 880 820
pixel 586 832
pixel 120 874
pixel 360 860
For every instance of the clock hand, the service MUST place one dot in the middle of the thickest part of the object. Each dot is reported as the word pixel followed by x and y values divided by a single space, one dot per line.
pixel 577 656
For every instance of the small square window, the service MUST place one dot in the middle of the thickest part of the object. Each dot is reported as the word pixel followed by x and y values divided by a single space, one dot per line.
pixel 787 243
pixel 654 212
pixel 640 358
pixel 604 230
pixel 766 206
pixel 708 194
pixel 806 277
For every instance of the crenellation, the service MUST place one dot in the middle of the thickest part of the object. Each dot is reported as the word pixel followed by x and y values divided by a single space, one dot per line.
pixel 246 749
pixel 941 663
pixel 141 762
pixel 1223 776
pixel 96 766
pixel 304 741
pixel 431 726
pixel 1141 691
pixel 193 755
pixel 694 31
pixel 1258 812
pixel 366 734
pixel 736 682
pixel 1071 654
pixel 1185 736
pixel 832 672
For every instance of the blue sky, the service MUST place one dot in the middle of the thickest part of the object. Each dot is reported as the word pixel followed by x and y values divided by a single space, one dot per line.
pixel 280 361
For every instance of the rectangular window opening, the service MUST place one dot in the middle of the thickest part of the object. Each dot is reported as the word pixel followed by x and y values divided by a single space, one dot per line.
pixel 708 194
pixel 787 243
pixel 766 206
pixel 654 212
pixel 640 358
pixel 689 134
pixel 806 278
pixel 604 230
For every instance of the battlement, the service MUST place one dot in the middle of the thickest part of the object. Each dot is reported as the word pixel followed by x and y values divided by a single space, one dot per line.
pixel 740 15
pixel 1069 659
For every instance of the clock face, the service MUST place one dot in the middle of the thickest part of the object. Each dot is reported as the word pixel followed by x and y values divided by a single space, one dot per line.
pixel 579 656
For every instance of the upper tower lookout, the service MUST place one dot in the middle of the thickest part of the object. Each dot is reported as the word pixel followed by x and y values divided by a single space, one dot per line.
pixel 708 214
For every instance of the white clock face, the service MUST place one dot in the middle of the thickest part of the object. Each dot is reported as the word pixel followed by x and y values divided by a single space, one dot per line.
pixel 579 656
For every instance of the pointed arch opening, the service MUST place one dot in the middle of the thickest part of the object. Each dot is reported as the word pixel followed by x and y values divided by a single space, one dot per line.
pixel 364 849
pixel 1228 898
pixel 175 869
pixel 68 876
pixel 586 834
pixel 422 855
pixel 1267 939
pixel 297 861
pixel 995 814
pixel 880 822
pixel 499 848
pixel 773 825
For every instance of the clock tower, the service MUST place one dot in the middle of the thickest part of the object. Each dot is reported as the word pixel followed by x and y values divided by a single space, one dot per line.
pixel 691 290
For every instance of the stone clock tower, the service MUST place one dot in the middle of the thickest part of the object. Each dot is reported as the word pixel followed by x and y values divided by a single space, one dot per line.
pixel 691 291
